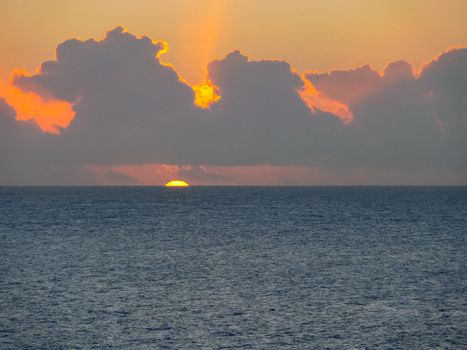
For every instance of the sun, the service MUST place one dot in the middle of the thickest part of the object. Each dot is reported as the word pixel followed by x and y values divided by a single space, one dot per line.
pixel 177 183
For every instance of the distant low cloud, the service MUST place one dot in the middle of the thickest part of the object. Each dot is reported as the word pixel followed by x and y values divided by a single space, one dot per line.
pixel 132 108
pixel 201 175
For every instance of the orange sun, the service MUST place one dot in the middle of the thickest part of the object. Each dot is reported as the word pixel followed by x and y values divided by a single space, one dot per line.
pixel 177 183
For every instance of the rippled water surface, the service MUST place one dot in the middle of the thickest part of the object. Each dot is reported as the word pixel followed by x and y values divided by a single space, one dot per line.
pixel 243 268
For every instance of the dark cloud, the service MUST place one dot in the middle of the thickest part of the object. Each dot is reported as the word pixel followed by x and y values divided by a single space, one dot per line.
pixel 444 86
pixel 131 108
pixel 261 117
pixel 353 86
pixel 402 121
pixel 399 70
pixel 84 69
pixel 7 112
pixel 22 148
pixel 108 178
pixel 9 135
pixel 348 86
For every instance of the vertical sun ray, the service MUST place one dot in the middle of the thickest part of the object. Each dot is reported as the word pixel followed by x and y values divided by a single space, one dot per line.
pixel 200 34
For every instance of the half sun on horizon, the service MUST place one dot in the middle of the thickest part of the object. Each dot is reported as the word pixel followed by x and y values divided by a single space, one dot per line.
pixel 177 183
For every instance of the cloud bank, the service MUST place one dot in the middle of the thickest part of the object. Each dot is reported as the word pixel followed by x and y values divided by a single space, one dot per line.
pixel 131 108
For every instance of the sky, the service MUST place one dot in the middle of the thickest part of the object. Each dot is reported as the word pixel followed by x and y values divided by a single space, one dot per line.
pixel 233 92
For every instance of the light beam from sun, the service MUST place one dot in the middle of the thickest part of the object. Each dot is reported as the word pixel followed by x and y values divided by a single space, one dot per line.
pixel 200 34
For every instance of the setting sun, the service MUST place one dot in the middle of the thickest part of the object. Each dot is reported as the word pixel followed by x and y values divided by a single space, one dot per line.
pixel 177 183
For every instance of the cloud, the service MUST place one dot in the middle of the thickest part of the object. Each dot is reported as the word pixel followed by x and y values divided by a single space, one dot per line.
pixel 132 109
pixel 347 86
pixel 83 69
pixel 201 175
pixel 9 133
pixel 154 174
pixel 6 111
pixel 261 117
pixel 51 115
pixel 443 82
pixel 21 146
pixel 7 119
pixel 402 120
pixel 353 86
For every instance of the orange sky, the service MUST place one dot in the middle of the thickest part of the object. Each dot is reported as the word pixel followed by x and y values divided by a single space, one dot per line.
pixel 309 34
pixel 319 35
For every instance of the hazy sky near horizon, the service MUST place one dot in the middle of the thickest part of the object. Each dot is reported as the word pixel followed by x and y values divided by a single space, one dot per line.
pixel 319 92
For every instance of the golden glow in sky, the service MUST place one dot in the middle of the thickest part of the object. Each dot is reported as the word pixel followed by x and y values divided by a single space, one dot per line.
pixel 205 94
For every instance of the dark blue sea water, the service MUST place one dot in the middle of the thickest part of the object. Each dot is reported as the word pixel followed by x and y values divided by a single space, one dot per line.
pixel 224 268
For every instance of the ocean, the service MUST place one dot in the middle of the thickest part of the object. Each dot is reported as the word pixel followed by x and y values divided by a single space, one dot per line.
pixel 233 268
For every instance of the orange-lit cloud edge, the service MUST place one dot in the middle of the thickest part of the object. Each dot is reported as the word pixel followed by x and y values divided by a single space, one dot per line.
pixel 53 115
pixel 50 114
